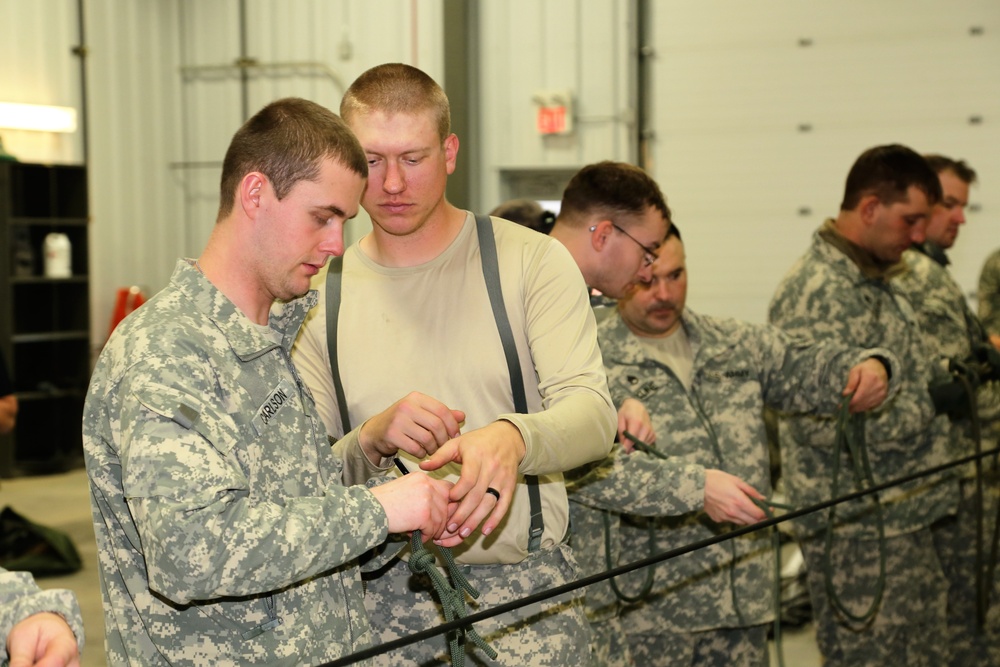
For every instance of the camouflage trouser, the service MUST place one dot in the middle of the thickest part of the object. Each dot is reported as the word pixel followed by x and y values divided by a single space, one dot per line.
pixel 955 540
pixel 725 647
pixel 909 628
pixel 610 646
pixel 554 632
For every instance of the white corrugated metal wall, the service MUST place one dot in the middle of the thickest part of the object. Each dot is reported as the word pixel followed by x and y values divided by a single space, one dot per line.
pixel 533 46
pixel 761 108
pixel 161 113
pixel 731 84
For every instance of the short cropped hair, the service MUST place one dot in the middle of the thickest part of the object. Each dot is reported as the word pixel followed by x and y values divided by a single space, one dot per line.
pixel 888 172
pixel 526 212
pixel 287 141
pixel 963 171
pixel 610 190
pixel 395 88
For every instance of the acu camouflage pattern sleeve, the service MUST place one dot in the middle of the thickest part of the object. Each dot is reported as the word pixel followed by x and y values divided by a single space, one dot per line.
pixel 203 535
pixel 989 294
pixel 20 597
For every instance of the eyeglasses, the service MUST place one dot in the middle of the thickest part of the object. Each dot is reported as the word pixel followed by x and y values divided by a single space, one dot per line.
pixel 649 254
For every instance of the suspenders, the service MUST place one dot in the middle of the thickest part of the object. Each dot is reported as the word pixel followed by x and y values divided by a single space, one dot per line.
pixel 491 274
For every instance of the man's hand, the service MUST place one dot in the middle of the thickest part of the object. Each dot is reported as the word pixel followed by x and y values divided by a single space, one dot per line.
pixel 727 499
pixel 489 457
pixel 416 502
pixel 44 640
pixel 416 423
pixel 870 384
pixel 634 418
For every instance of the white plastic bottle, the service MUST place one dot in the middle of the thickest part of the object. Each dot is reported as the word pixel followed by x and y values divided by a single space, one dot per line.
pixel 57 256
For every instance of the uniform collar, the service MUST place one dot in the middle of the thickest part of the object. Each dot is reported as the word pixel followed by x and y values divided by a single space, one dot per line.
pixel 869 265
pixel 246 341
pixel 934 251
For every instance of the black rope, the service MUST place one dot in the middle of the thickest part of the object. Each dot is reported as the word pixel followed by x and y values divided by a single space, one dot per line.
pixel 645 562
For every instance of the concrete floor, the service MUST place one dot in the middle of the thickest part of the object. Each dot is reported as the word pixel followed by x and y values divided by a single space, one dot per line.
pixel 62 502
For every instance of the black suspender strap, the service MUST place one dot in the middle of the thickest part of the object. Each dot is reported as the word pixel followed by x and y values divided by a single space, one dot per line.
pixel 333 282
pixel 491 272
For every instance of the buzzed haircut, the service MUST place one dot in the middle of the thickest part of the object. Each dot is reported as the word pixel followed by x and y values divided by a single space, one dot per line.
pixel 287 141
pixel 888 172
pixel 395 88
pixel 963 171
pixel 610 190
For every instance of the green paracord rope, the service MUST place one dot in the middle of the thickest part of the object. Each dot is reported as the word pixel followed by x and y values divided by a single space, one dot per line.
pixel 452 598
pixel 647 584
pixel 768 508
pixel 851 434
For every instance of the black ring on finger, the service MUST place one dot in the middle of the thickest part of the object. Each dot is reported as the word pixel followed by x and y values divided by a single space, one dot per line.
pixel 493 492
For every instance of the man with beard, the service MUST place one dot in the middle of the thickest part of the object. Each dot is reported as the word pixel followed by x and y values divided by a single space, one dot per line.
pixel 706 381
pixel 609 215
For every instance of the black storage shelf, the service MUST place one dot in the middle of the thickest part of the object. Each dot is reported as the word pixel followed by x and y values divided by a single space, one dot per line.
pixel 44 321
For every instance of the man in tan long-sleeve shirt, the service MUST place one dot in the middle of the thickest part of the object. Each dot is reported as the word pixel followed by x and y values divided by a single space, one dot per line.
pixel 416 322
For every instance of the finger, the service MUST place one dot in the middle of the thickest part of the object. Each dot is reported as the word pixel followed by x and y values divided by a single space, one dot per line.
pixel 853 379
pixel 442 457
pixel 469 507
pixel 430 427
pixel 747 513
pixel 481 511
pixel 749 491
pixel 452 541
pixel 500 510
pixel 470 481
pixel 459 418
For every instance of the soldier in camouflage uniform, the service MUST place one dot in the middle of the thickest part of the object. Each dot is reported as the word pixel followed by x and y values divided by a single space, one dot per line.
pixel 845 289
pixel 225 531
pixel 606 208
pixel 954 334
pixel 989 297
pixel 705 382
pixel 38 625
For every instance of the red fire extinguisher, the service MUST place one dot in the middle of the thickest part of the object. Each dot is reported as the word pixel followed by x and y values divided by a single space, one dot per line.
pixel 128 299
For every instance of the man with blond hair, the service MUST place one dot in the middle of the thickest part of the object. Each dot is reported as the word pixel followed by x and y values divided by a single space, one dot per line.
pixel 418 326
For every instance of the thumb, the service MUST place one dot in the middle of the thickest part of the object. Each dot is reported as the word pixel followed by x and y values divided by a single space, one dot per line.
pixel 447 453
pixel 750 491
pixel 853 380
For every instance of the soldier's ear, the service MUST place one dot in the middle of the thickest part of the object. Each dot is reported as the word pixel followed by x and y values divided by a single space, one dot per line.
pixel 250 192
pixel 868 208
pixel 599 234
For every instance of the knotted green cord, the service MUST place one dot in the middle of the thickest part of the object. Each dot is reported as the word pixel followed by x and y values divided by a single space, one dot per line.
pixel 452 598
